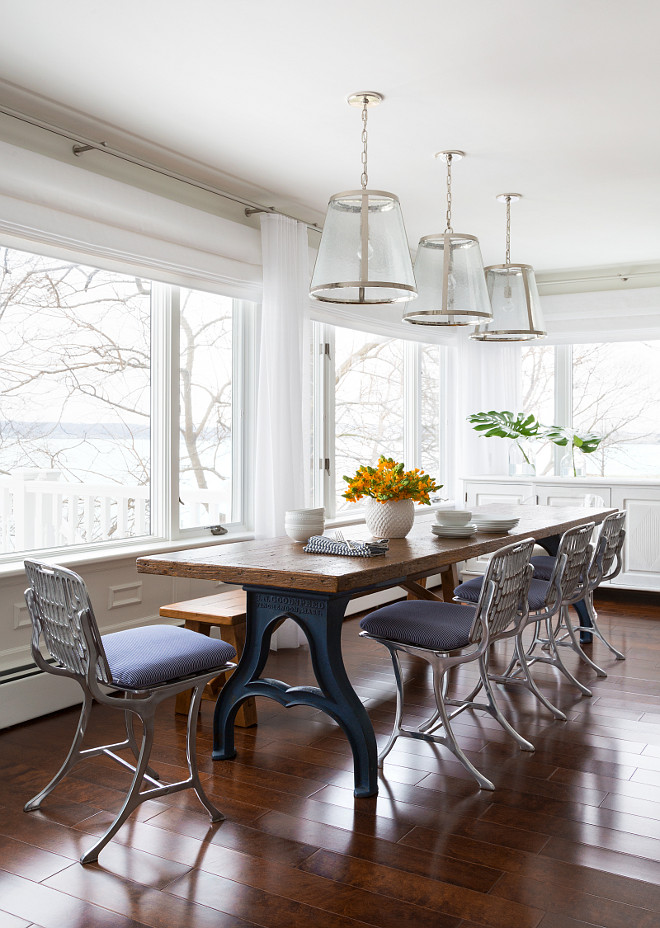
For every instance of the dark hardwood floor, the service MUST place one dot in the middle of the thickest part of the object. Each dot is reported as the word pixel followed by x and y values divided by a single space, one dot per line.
pixel 569 839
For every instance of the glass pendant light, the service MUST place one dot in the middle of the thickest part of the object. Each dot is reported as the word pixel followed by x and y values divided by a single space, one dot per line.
pixel 363 256
pixel 517 315
pixel 449 271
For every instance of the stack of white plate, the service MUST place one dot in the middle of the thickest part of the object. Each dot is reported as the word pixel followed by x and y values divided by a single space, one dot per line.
pixel 494 524
pixel 454 531
pixel 301 524
pixel 453 523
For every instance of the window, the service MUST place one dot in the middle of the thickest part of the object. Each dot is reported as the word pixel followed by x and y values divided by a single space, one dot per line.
pixel 538 397
pixel 205 410
pixel 373 396
pixel 86 402
pixel 368 374
pixel 610 389
pixel 616 395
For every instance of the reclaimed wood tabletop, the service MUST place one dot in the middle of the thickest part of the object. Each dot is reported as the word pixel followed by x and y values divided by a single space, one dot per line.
pixel 281 562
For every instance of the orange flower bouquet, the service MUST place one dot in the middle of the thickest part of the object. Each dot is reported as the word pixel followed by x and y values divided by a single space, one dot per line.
pixel 389 481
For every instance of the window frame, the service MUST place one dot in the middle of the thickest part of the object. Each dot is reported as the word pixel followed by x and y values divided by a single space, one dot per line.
pixel 323 398
pixel 165 532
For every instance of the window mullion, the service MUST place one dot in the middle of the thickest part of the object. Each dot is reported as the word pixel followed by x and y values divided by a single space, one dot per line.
pixel 328 455
pixel 563 395
pixel 243 412
pixel 164 410
pixel 412 390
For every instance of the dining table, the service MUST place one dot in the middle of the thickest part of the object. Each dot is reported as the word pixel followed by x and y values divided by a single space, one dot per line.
pixel 282 581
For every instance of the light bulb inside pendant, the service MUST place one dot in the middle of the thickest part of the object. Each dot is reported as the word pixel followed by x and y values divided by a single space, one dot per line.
pixel 449 272
pixel 513 295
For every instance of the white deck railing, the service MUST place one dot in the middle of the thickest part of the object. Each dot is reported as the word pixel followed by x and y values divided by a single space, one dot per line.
pixel 38 510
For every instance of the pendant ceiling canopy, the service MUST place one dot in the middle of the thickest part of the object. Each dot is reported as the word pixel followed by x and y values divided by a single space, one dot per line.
pixel 449 272
pixel 363 256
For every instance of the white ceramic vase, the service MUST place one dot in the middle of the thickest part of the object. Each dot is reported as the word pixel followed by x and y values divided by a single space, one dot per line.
pixel 392 519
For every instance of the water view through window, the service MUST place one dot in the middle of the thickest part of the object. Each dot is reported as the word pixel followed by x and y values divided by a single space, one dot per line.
pixel 75 449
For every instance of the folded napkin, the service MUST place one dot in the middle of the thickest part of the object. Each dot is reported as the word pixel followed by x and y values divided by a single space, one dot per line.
pixel 319 544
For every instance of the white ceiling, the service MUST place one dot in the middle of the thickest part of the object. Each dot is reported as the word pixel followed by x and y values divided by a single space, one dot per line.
pixel 556 99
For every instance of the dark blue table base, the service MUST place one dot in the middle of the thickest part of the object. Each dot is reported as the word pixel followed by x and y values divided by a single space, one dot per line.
pixel 320 615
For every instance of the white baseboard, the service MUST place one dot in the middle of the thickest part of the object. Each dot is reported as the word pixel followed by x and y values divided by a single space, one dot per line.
pixel 40 694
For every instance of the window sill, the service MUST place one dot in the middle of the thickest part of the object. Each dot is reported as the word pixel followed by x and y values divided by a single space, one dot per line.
pixel 128 551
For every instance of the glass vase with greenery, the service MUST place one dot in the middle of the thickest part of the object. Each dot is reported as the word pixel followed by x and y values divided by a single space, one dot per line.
pixel 563 436
pixel 522 428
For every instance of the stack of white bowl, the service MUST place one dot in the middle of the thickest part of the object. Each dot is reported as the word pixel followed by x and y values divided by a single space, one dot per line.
pixel 453 523
pixel 301 524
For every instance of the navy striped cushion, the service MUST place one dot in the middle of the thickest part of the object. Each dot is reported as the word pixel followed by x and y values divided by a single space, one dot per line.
pixel 470 591
pixel 142 657
pixel 543 566
pixel 436 626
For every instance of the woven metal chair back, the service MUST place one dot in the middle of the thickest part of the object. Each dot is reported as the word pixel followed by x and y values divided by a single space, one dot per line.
pixel 509 575
pixel 610 543
pixel 576 545
pixel 59 606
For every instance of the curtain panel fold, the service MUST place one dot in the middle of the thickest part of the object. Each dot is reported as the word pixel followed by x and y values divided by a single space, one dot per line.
pixel 283 414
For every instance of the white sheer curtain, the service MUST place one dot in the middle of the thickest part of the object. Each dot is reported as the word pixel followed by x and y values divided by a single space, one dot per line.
pixel 487 376
pixel 282 450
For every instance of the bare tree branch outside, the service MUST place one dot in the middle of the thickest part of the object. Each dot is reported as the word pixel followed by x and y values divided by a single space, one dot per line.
pixel 75 401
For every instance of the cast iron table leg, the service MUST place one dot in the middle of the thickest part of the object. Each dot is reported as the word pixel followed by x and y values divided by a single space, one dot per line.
pixel 320 615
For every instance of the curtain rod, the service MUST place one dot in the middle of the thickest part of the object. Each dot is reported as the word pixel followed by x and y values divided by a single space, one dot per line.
pixel 84 144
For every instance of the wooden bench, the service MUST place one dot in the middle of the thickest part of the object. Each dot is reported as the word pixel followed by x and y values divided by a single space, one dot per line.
pixel 225 611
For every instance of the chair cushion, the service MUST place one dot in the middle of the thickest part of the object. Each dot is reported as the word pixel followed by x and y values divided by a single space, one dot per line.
pixel 435 626
pixel 471 590
pixel 543 566
pixel 140 658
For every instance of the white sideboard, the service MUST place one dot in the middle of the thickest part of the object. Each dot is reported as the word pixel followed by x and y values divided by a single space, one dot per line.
pixel 640 497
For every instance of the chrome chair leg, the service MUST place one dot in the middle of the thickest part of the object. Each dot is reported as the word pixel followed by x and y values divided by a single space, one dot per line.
pixel 434 721
pixel 396 729
pixel 495 711
pixel 72 758
pixel 575 644
pixel 132 742
pixel 558 662
pixel 191 755
pixel 593 615
pixel 133 797
pixel 530 682
pixel 449 738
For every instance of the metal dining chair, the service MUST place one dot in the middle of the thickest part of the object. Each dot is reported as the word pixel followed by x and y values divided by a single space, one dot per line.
pixel 548 607
pixel 447 635
pixel 606 564
pixel 132 670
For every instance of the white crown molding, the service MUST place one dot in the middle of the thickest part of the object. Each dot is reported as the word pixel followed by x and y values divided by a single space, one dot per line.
pixel 620 277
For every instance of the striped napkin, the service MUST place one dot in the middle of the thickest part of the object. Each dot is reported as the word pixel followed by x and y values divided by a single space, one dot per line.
pixel 320 544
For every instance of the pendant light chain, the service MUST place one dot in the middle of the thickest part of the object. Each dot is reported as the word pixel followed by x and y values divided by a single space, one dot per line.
pixel 448 227
pixel 508 231
pixel 365 112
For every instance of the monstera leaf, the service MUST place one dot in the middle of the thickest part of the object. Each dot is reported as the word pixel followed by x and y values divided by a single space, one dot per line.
pixel 562 436
pixel 505 425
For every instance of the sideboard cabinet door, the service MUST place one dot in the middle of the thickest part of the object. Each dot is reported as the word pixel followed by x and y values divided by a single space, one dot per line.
pixel 481 494
pixel 641 553
pixel 568 494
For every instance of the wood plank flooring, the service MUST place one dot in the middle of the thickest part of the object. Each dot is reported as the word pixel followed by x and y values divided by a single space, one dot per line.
pixel 569 839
